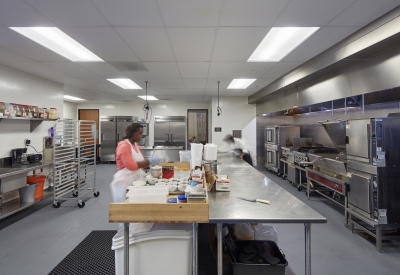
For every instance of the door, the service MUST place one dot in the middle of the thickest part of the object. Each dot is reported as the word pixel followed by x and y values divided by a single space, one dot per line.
pixel 359 195
pixel 161 133
pixel 358 140
pixel 271 158
pixel 269 135
pixel 177 133
pixel 108 140
pixel 91 114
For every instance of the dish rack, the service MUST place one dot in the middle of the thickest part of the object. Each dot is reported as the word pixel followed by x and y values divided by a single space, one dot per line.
pixel 74 155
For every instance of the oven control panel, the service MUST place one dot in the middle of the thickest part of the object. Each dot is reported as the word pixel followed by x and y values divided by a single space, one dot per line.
pixel 380 216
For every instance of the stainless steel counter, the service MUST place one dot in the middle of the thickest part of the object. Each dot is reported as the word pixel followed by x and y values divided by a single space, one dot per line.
pixel 7 171
pixel 247 182
pixel 171 152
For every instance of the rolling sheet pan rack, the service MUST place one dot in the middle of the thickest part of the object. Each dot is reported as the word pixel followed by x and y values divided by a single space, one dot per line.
pixel 74 166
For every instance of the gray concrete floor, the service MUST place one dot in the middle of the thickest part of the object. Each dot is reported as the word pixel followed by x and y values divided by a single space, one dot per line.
pixel 35 240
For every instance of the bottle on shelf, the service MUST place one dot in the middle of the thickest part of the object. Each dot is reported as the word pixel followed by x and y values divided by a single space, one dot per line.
pixel 45 113
pixel 53 113
pixel 30 111
pixel 2 108
pixel 41 113
pixel 35 111
pixel 18 111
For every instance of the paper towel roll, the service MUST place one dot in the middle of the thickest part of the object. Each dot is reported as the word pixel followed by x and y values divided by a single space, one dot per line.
pixel 196 154
pixel 210 151
pixel 194 163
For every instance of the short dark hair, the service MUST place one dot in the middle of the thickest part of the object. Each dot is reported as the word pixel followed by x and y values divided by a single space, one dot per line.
pixel 228 138
pixel 131 129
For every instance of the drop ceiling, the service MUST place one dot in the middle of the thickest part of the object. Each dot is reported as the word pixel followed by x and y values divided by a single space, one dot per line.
pixel 181 47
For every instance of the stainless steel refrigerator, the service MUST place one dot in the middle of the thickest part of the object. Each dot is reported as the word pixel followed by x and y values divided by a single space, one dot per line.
pixel 170 131
pixel 112 131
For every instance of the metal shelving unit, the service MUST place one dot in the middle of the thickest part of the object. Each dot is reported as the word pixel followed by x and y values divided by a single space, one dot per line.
pixel 74 165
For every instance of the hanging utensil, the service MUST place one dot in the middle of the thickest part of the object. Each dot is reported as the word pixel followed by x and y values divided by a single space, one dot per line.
pixel 254 200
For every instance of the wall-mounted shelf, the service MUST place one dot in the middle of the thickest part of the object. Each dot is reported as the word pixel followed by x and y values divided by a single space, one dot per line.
pixel 34 122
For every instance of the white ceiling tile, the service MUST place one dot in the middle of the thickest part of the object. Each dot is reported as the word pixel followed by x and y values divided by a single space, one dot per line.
pixel 176 92
pixel 253 69
pixel 72 69
pixel 195 83
pixel 281 69
pixel 8 55
pixel 171 83
pixel 237 44
pixel 140 75
pixel 311 13
pixel 194 69
pixel 130 13
pixel 70 13
pixel 104 42
pixel 178 98
pixel 152 84
pixel 251 12
pixel 195 92
pixel 79 84
pixel 259 84
pixel 207 99
pixel 214 92
pixel 17 13
pixel 17 43
pixel 102 69
pixel 321 40
pixel 39 69
pixel 150 44
pixel 192 44
pixel 245 92
pixel 103 84
pixel 154 92
pixel 224 69
pixel 195 99
pixel 212 84
pixel 190 12
pixel 163 69
pixel 364 12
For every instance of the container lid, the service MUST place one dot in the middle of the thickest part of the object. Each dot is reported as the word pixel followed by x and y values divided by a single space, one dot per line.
pixel 182 198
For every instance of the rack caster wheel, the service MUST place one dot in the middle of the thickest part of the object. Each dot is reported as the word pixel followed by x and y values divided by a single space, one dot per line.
pixel 75 194
pixel 299 188
pixel 81 204
pixel 56 204
pixel 96 194
pixel 279 174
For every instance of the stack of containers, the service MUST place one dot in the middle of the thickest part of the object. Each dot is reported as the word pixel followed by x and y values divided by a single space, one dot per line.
pixel 210 155
pixel 196 155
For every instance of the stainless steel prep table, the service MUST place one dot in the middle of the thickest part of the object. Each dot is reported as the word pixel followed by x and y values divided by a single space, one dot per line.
pixel 247 182
pixel 9 171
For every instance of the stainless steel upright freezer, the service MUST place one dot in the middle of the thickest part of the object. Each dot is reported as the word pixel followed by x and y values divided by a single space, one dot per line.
pixel 170 131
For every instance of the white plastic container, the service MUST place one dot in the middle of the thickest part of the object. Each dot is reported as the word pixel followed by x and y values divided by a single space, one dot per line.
pixel 148 194
pixel 164 249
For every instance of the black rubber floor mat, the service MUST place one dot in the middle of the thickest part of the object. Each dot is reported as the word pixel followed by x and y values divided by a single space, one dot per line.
pixel 92 256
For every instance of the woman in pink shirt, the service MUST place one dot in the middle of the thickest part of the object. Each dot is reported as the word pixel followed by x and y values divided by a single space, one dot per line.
pixel 130 162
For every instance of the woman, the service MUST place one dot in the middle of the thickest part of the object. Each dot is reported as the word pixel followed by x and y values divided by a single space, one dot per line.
pixel 237 144
pixel 130 162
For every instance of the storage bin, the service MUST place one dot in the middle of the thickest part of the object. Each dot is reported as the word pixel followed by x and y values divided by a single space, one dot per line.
pixel 39 179
pixel 161 249
pixel 27 193
pixel 148 194
pixel 245 269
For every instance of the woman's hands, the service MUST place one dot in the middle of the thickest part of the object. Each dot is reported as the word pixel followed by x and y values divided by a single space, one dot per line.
pixel 143 164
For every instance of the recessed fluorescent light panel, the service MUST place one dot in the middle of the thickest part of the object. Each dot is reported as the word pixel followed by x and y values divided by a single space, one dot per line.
pixel 57 41
pixel 279 42
pixel 68 97
pixel 240 83
pixel 125 83
pixel 149 97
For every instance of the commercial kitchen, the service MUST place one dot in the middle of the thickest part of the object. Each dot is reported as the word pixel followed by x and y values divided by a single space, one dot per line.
pixel 310 87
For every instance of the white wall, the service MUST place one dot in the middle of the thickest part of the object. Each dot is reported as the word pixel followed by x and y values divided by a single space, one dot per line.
pixel 70 110
pixel 24 88
pixel 136 109
pixel 237 114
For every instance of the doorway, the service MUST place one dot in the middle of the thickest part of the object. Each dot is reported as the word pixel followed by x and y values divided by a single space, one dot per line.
pixel 197 129
pixel 91 114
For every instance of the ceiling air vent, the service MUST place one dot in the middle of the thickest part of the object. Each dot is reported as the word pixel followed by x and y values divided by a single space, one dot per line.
pixel 129 66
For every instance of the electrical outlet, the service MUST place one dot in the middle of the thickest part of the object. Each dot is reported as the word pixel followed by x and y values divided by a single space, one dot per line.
pixel 27 142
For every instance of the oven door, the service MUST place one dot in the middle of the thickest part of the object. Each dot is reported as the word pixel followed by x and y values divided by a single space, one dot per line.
pixel 270 135
pixel 360 192
pixel 271 158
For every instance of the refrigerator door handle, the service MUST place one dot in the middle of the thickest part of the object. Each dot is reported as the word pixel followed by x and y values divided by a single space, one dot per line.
pixel 172 137
pixel 167 137
pixel 118 137
pixel 102 137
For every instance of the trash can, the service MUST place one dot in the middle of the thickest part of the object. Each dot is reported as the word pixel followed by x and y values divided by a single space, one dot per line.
pixel 39 180
pixel 155 249
pixel 27 193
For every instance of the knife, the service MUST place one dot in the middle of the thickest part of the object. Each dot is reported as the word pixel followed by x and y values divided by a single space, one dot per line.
pixel 256 200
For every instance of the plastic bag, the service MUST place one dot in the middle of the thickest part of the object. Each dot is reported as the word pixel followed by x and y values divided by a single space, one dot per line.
pixel 161 157
pixel 184 156
pixel 265 232
pixel 243 231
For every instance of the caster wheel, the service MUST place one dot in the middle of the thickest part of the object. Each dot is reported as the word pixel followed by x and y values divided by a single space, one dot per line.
pixel 56 204
pixel 299 188
pixel 279 174
pixel 81 204
pixel 96 194
pixel 331 194
pixel 75 194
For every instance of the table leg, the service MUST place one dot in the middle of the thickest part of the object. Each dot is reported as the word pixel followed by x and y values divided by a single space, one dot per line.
pixel 378 234
pixel 346 217
pixel 307 231
pixel 219 248
pixel 195 248
pixel 308 188
pixel 126 248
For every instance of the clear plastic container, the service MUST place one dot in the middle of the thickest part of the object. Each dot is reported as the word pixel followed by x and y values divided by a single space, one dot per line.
pixel 8 110
pixel 2 108
pixel 30 111
pixel 18 110
pixel 45 113
pixel 35 113
pixel 24 110
pixel 53 113
pixel 41 112
pixel 148 194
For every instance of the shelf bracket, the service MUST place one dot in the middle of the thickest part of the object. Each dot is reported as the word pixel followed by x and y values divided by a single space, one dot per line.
pixel 34 124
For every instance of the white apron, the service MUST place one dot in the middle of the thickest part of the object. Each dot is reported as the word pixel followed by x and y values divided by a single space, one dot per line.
pixel 125 177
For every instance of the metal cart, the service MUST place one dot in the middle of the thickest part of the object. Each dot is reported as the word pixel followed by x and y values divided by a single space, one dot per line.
pixel 74 166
